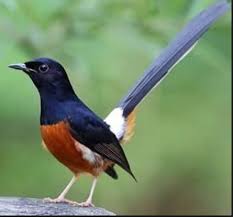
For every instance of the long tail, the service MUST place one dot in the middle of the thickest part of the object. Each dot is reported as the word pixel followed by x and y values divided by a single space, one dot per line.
pixel 122 119
pixel 176 50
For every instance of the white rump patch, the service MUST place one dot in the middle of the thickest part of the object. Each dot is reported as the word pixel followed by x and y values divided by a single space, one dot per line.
pixel 116 121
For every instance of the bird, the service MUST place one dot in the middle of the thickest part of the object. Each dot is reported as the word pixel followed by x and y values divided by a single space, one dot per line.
pixel 75 135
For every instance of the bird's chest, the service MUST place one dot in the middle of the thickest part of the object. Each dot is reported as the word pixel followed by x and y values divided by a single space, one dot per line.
pixel 69 152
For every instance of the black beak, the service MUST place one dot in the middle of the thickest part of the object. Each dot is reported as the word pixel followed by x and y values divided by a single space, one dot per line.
pixel 21 66
pixel 18 66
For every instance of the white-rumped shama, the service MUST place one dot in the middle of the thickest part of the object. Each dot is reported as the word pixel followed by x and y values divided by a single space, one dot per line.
pixel 75 135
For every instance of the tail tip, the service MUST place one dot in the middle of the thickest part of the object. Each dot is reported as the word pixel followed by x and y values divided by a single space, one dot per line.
pixel 131 173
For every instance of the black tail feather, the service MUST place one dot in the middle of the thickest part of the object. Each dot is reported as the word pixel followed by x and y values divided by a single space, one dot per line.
pixel 172 54
pixel 111 172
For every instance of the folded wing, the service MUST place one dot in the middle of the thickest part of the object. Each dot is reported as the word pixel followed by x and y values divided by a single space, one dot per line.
pixel 95 134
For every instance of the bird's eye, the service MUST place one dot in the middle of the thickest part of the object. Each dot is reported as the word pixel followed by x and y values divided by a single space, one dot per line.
pixel 44 68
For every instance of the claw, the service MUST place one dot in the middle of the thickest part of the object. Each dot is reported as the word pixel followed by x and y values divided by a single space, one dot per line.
pixel 86 204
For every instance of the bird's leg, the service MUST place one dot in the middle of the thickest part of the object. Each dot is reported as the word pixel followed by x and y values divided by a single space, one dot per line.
pixel 88 202
pixel 61 197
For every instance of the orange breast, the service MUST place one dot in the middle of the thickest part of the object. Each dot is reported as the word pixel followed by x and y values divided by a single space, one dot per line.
pixel 69 152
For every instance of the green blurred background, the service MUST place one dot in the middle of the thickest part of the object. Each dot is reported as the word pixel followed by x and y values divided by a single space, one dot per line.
pixel 180 153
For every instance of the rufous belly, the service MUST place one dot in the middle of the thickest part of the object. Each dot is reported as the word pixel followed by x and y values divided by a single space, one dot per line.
pixel 77 157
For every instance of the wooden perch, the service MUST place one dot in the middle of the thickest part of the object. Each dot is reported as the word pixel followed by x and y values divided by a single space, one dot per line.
pixel 31 206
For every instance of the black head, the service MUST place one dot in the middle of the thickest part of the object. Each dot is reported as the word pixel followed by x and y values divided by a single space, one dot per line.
pixel 48 75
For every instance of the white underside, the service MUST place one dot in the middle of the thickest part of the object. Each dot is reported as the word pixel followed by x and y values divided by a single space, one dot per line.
pixel 87 153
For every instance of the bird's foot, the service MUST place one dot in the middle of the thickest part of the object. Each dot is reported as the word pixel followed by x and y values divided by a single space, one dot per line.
pixel 86 204
pixel 60 200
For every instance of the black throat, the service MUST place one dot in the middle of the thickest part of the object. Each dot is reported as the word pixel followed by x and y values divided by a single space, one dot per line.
pixel 55 99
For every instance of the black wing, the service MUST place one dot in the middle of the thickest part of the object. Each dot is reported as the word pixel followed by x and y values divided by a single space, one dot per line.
pixel 91 131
